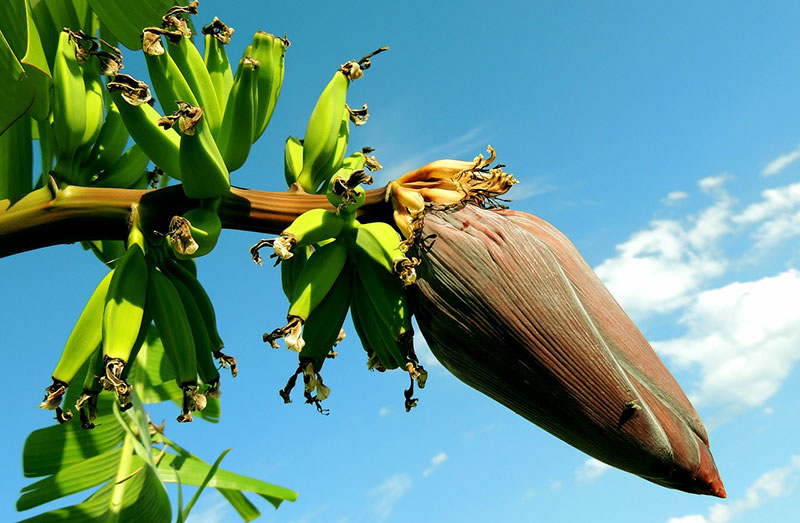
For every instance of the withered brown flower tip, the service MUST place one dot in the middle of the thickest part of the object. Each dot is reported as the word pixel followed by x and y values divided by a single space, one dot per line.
pixel 509 306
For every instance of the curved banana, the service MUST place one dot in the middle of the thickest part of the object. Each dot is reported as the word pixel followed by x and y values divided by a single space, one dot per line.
pixel 95 107
pixel 322 132
pixel 291 269
pixel 196 232
pixel 161 145
pixel 313 284
pixel 380 242
pixel 86 404
pixel 217 35
pixel 110 143
pixel 334 162
pixel 206 307
pixel 236 133
pixel 292 159
pixel 203 170
pixel 371 333
pixel 166 77
pixel 206 367
pixel 169 315
pixel 269 50
pixel 86 336
pixel 69 100
pixel 190 63
pixel 126 172
pixel 123 314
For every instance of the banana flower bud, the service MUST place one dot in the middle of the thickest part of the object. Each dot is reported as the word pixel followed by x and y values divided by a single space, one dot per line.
pixel 509 306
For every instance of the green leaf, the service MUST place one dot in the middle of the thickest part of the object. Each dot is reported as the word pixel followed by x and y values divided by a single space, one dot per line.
pixel 17 88
pixel 36 67
pixel 50 449
pixel 144 499
pixel 240 503
pixel 202 487
pixel 12 25
pixel 126 19
pixel 69 480
pixel 192 471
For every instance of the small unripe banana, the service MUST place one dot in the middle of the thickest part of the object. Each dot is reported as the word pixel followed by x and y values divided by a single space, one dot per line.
pixel 236 134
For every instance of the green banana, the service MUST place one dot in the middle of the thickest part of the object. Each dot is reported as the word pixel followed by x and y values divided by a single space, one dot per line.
pixel 322 132
pixel 334 162
pixel 291 269
pixel 203 170
pixel 313 284
pixel 191 65
pixel 95 107
pixel 196 232
pixel 380 242
pixel 235 135
pixel 86 336
pixel 107 251
pixel 126 172
pixel 269 50
pixel 169 315
pixel 161 145
pixel 86 404
pixel 206 367
pixel 166 77
pixel 323 328
pixel 123 313
pixel 380 355
pixel 110 143
pixel 217 35
pixel 292 159
pixel 313 226
pixel 206 307
pixel 69 101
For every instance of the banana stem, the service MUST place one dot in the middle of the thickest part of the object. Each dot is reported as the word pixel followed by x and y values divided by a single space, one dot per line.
pixel 55 215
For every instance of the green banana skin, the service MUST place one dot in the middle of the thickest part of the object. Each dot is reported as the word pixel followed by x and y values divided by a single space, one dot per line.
pixel 317 277
pixel 16 159
pixel 203 226
pixel 85 337
pixel 69 103
pixel 170 318
pixel 291 269
pixel 322 131
pixel 191 65
pixel 126 172
pixel 162 146
pixel 110 143
pixel 168 81
pixel 292 160
pixel 107 251
pixel 269 50
pixel 314 226
pixel 371 333
pixel 324 324
pixel 236 134
pixel 95 107
pixel 218 66
pixel 206 367
pixel 380 242
pixel 334 163
pixel 204 173
pixel 86 404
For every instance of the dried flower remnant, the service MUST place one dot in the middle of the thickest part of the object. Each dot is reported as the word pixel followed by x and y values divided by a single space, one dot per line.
pixel 507 304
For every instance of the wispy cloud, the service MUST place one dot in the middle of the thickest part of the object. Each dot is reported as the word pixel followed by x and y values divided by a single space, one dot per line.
pixel 388 493
pixel 211 509
pixel 780 163
pixel 591 470
pixel 464 147
pixel 384 411
pixel 435 462
pixel 775 483
pixel 674 198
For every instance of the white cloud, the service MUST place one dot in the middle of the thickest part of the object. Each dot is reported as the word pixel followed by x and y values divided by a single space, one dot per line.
pixel 389 493
pixel 384 411
pixel 777 216
pixel 435 462
pixel 661 268
pixel 591 470
pixel 775 483
pixel 780 163
pixel 555 484
pixel 744 338
pixel 675 197
pixel 204 512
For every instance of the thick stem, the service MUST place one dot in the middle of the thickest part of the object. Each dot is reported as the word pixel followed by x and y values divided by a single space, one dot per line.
pixel 52 216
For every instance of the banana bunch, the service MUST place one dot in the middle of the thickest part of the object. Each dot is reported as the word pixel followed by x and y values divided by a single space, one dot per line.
pixel 311 163
pixel 148 285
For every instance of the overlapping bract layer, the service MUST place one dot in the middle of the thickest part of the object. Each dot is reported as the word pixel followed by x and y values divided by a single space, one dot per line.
pixel 508 305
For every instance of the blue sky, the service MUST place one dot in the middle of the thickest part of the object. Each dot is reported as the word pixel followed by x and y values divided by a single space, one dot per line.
pixel 664 141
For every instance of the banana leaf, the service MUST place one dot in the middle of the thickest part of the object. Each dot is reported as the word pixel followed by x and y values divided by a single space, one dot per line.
pixel 126 19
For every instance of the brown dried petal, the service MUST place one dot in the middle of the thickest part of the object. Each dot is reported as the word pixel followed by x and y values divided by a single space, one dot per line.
pixel 514 318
